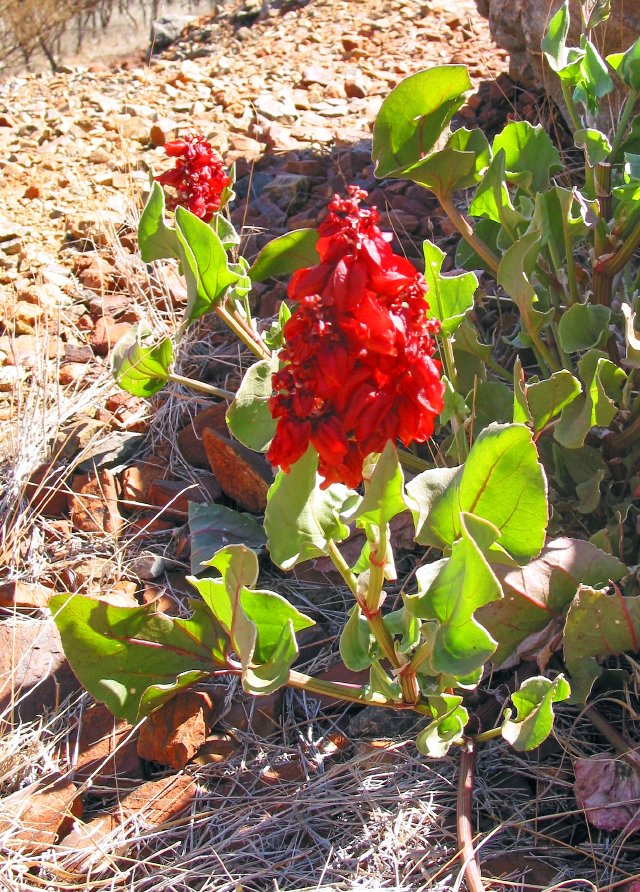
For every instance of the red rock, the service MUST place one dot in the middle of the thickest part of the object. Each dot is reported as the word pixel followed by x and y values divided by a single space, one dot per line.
pixel 243 475
pixel 33 670
pixel 34 818
pixel 97 275
pixel 104 748
pixel 72 373
pixel 148 525
pixel 32 191
pixel 355 88
pixel 190 437
pixel 217 749
pixel 136 481
pixel 173 734
pixel 47 491
pixel 93 503
pixel 24 595
pixel 107 333
pixel 174 495
pixel 29 350
pixel 260 714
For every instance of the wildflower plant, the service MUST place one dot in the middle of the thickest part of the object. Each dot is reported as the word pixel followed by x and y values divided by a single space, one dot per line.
pixel 372 358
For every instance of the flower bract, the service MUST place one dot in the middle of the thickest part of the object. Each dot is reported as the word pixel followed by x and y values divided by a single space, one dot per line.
pixel 198 177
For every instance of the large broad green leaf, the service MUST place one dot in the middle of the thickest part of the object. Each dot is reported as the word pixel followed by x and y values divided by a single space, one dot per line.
pixel 414 115
pixel 271 614
pixel 213 526
pixel 603 381
pixel 156 240
pixel 300 517
pixel 492 401
pixel 285 254
pixel 534 711
pixel 530 156
pixel 514 274
pixel 448 726
pixel 449 296
pixel 580 471
pixel 139 367
pixel 119 653
pixel 465 583
pixel 546 399
pixel 598 626
pixel 205 264
pixel 248 416
pixel 583 326
pixel 540 592
pixel 502 481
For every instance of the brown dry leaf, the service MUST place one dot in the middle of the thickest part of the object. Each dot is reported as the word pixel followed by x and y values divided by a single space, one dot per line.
pixel 243 475
pixel 173 734
pixel 608 789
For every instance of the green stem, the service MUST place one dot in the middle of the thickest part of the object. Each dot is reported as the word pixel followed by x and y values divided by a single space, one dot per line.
pixel 491 734
pixel 242 331
pixel 571 106
pixel 498 369
pixel 339 690
pixel 466 231
pixel 602 281
pixel 615 262
pixel 383 637
pixel 623 123
pixel 457 421
pixel 342 566
pixel 201 386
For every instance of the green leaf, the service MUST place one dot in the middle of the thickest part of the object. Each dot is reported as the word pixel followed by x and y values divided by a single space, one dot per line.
pixel 225 231
pixel 632 357
pixel 554 42
pixel 271 614
pixel 238 568
pixel 448 725
pixel 628 65
pixel 205 264
pixel 117 653
pixel 248 416
pixel 300 517
pixel 492 199
pixel 595 81
pixel 380 684
pixel 274 338
pixel 603 382
pixel 456 166
pixel 357 645
pixel 384 496
pixel 530 156
pixel 492 401
pixel 414 116
pixel 583 326
pixel 140 369
pixel 521 410
pixel 285 254
pixel 465 583
pixel 487 231
pixel 594 144
pixel 260 624
pixel 534 711
pixel 501 481
pixel 547 398
pixel 156 240
pixel 514 274
pixel 213 526
pixel 598 626
pixel 449 296
pixel 540 592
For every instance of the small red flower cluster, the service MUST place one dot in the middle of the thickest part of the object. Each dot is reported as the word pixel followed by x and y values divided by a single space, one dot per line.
pixel 198 176
pixel 358 367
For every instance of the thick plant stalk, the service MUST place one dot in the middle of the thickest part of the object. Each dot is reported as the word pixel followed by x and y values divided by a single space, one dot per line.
pixel 464 822
pixel 466 231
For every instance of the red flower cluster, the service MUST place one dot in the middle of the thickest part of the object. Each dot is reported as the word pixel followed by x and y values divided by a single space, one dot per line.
pixel 357 366
pixel 198 176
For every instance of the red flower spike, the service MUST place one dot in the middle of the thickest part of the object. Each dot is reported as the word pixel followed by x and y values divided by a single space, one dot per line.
pixel 199 176
pixel 358 367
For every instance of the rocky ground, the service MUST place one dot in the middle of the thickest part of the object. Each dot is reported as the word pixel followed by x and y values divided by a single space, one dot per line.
pixel 96 483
